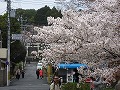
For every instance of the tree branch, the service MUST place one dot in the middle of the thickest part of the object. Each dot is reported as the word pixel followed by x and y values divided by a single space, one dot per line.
pixel 112 53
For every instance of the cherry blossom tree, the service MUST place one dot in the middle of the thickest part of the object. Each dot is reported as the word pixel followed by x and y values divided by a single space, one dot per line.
pixel 91 35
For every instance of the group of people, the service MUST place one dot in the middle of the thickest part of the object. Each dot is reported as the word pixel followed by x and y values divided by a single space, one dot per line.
pixel 18 73
pixel 56 82
pixel 97 82
pixel 39 73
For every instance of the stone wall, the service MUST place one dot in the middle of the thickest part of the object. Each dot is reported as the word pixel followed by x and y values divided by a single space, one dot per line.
pixel 3 77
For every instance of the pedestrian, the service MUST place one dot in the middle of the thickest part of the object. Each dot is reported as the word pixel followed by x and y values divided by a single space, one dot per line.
pixel 117 86
pixel 18 74
pixel 55 84
pixel 37 73
pixel 76 76
pixel 41 73
pixel 22 72
pixel 91 83
pixel 97 83
pixel 88 79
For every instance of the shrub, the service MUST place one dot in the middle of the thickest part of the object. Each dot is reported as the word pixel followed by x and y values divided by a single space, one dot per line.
pixel 75 86
pixel 80 86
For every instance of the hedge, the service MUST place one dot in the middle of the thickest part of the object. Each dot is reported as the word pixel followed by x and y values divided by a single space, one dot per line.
pixel 80 86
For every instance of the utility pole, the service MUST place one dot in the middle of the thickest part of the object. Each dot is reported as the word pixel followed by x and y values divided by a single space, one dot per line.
pixel 8 42
pixel 0 39
pixel 23 27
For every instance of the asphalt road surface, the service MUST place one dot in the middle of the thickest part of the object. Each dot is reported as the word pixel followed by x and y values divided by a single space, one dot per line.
pixel 29 82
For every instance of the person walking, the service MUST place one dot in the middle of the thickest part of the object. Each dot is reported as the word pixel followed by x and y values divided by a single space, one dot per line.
pixel 55 84
pixel 76 76
pixel 41 73
pixel 37 73
pixel 18 74
pixel 23 73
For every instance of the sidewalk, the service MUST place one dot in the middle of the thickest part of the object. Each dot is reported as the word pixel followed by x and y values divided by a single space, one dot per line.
pixel 30 82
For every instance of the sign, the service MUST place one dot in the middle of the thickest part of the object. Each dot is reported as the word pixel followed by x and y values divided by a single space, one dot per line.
pixel 7 63
pixel 12 13
pixel 69 78
pixel 3 53
pixel 17 36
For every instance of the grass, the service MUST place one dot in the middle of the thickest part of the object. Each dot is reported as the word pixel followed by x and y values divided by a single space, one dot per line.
pixel 75 86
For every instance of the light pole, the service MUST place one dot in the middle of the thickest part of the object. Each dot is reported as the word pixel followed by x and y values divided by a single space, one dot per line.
pixel 8 42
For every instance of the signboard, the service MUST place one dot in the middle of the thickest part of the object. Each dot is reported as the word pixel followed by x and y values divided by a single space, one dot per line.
pixel 69 78
pixel 7 63
pixel 3 53
pixel 12 13
pixel 17 36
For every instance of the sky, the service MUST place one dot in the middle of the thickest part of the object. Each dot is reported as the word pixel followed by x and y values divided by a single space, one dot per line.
pixel 26 4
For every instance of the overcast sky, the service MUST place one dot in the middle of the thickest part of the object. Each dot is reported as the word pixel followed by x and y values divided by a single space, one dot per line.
pixel 26 4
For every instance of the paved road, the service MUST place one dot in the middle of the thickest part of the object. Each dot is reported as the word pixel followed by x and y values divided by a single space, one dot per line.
pixel 30 82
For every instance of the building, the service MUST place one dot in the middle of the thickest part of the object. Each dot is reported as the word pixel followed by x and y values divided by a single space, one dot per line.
pixel 3 70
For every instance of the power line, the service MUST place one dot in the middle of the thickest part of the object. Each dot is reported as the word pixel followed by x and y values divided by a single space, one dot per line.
pixel 33 3
pixel 3 12
pixel 14 6
pixel 28 3
pixel 2 1
pixel 2 8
